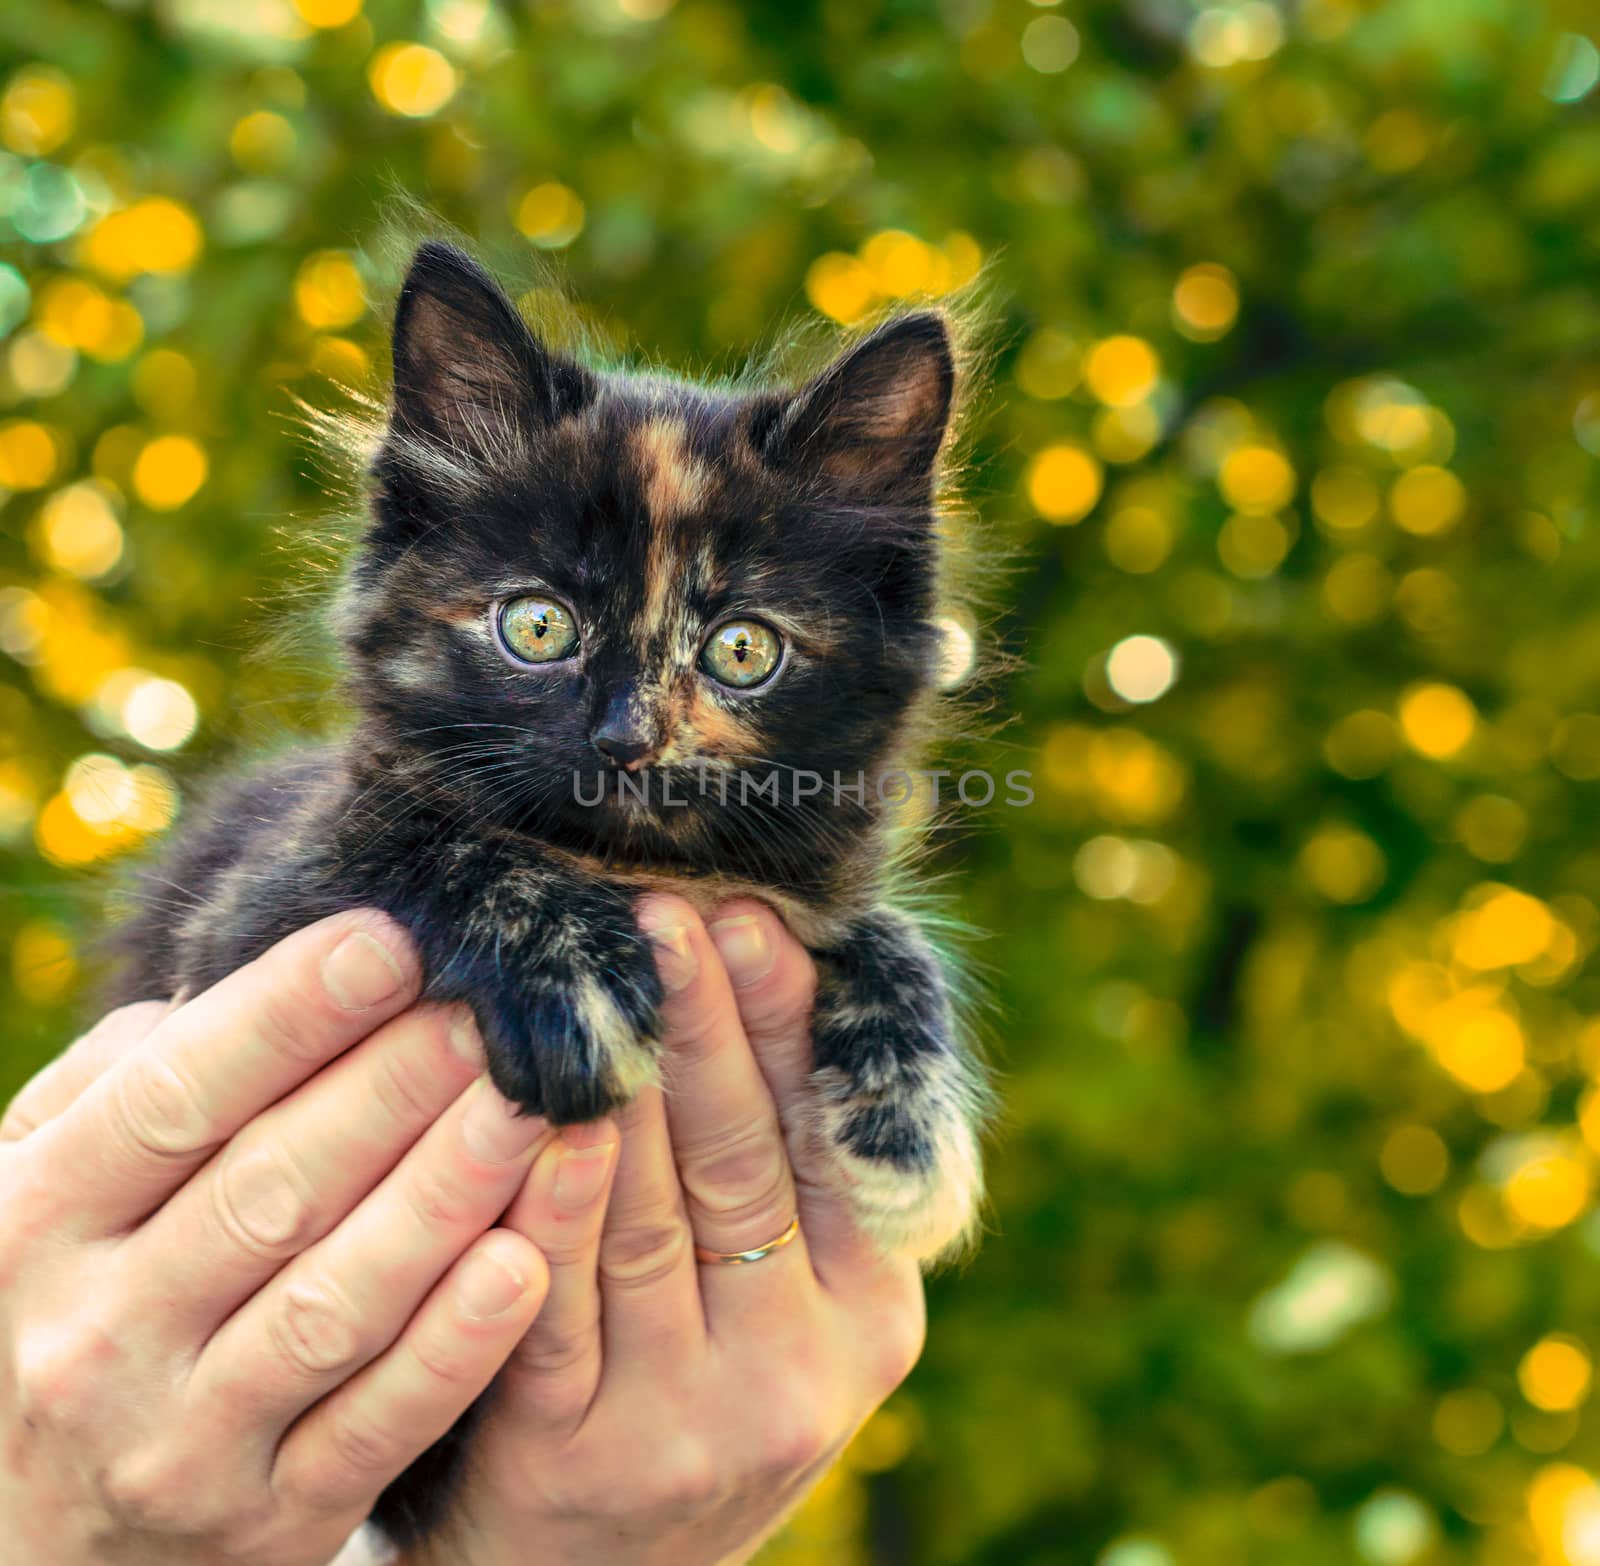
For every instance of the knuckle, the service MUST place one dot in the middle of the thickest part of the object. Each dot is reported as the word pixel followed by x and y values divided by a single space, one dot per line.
pixel 406 1094
pixel 699 1033
pixel 794 1439
pixel 780 1005
pixel 159 1110
pixel 316 1331
pixel 449 1362
pixel 692 1482
pixel 743 1175
pixel 285 1022
pixel 637 1254
pixel 152 1489
pixel 571 1244
pixel 46 1387
pixel 56 1374
pixel 263 1201
pixel 440 1200
pixel 360 1447
pixel 549 1353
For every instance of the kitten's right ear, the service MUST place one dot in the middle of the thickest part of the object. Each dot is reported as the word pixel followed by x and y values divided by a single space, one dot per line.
pixel 874 420
pixel 468 373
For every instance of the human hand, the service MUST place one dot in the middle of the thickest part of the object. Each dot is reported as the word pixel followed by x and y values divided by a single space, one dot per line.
pixel 234 1302
pixel 663 1411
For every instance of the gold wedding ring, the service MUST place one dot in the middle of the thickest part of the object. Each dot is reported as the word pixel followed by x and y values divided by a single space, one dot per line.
pixel 741 1258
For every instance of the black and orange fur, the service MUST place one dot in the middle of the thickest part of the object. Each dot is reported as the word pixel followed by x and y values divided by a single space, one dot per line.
pixel 656 509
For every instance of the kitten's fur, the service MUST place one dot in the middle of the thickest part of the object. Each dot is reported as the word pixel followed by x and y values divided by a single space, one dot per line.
pixel 655 509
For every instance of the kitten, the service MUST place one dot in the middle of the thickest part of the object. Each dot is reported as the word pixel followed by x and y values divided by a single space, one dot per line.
pixel 581 596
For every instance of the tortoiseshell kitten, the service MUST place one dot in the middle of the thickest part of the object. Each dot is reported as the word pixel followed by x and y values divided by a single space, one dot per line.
pixel 573 579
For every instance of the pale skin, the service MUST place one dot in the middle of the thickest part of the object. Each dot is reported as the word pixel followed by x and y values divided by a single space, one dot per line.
pixel 259 1250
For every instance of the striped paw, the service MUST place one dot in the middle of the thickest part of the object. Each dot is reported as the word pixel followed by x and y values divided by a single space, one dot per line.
pixel 906 1156
pixel 898 1100
pixel 571 1040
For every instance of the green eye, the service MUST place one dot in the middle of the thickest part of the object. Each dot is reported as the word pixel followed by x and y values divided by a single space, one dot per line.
pixel 741 653
pixel 537 630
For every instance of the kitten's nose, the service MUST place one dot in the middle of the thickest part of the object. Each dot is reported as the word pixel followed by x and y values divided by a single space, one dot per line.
pixel 623 735
pixel 621 748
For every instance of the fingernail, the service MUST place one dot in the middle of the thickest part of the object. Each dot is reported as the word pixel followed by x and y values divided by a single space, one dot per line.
pixel 465 1039
pixel 488 1286
pixel 746 952
pixel 675 959
pixel 361 971
pixel 674 955
pixel 494 1131
pixel 581 1174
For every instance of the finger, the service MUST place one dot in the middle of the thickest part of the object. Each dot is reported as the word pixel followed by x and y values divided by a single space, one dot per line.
pixel 299 1168
pixel 341 1303
pixel 347 1448
pixel 49 1093
pixel 139 1132
pixel 552 1377
pixel 650 1298
pixel 774 987
pixel 724 1128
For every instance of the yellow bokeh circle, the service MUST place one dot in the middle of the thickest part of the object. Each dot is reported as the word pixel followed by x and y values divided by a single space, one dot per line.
pixel 1437 720
pixel 1205 302
pixel 156 234
pixel 551 215
pixel 1122 370
pixel 411 79
pixel 1556 1373
pixel 1064 482
pixel 328 291
pixel 1256 479
pixel 169 472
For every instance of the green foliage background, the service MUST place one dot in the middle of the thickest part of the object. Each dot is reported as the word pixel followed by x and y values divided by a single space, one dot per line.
pixel 1294 965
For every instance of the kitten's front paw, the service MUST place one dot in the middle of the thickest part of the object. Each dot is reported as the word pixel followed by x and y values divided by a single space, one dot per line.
pixel 898 1101
pixel 575 1035
pixel 906 1153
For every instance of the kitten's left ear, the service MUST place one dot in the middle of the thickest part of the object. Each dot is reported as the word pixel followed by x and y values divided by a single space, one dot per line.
pixel 873 421
pixel 467 370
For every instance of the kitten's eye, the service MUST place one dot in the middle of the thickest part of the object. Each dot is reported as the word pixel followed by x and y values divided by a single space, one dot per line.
pixel 537 630
pixel 741 653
